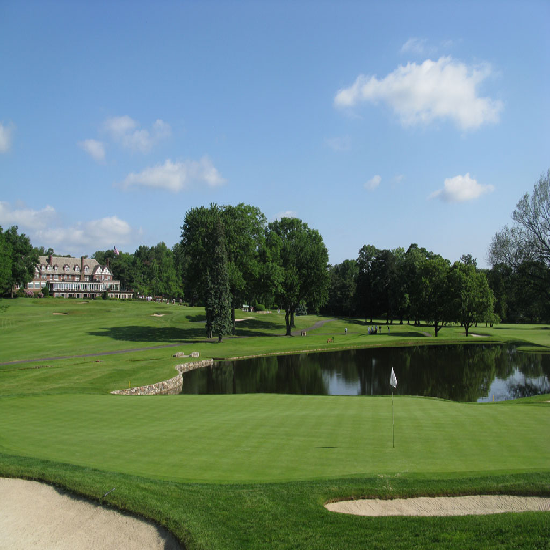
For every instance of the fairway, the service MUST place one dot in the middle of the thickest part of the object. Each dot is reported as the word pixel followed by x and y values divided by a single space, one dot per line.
pixel 267 438
pixel 253 471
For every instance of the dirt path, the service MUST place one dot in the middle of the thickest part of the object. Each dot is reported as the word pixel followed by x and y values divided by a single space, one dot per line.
pixel 441 506
pixel 37 515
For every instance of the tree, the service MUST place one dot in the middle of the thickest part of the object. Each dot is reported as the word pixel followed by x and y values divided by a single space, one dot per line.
pixel 5 263
pixel 472 300
pixel 435 299
pixel 23 259
pixel 244 233
pixel 342 289
pixel 300 259
pixel 525 249
pixel 45 251
pixel 529 238
pixel 218 300
pixel 197 243
pixel 365 281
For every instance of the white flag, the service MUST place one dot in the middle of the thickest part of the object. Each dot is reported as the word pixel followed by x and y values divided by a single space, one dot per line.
pixel 393 379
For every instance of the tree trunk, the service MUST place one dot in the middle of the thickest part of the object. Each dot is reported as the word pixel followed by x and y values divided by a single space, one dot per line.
pixel 437 328
pixel 292 318
pixel 287 321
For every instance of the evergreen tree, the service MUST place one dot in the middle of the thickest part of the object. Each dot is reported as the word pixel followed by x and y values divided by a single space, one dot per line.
pixel 219 292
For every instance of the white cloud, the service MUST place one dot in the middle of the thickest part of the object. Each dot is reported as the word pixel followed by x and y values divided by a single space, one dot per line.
pixel 26 218
pixel 44 227
pixel 415 46
pixel 94 148
pixel 373 183
pixel 176 176
pixel 285 214
pixel 5 137
pixel 461 189
pixel 91 235
pixel 126 131
pixel 442 89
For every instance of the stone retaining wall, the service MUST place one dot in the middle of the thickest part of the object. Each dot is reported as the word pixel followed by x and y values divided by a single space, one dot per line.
pixel 166 387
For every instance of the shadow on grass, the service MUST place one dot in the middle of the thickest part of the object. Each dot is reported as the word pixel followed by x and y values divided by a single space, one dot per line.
pixel 150 334
pixel 250 327
pixel 196 318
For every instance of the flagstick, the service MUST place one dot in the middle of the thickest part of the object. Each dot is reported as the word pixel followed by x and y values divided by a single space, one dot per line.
pixel 392 422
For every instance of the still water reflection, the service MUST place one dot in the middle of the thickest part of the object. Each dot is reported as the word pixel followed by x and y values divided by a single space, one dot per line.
pixel 459 373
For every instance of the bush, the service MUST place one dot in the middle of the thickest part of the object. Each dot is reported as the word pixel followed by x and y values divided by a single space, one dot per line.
pixel 301 310
pixel 45 290
pixel 259 307
pixel 105 295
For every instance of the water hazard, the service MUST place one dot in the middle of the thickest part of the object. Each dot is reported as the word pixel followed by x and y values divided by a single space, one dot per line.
pixel 460 373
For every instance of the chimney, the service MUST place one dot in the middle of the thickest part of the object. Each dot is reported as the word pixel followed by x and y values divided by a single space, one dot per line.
pixel 51 259
pixel 82 267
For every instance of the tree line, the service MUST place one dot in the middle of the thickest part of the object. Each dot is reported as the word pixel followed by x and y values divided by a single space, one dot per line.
pixel 411 285
pixel 230 255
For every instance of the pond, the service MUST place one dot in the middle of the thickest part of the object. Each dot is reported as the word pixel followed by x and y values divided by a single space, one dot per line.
pixel 459 373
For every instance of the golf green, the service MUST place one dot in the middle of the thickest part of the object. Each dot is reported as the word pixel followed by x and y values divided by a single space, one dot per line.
pixel 267 438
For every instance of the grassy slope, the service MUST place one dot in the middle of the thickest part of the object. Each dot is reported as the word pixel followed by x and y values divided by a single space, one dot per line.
pixel 90 443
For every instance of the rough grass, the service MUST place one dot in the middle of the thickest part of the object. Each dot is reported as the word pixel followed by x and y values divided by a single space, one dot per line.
pixel 252 471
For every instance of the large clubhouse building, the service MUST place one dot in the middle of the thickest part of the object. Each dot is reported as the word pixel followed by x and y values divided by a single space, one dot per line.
pixel 75 278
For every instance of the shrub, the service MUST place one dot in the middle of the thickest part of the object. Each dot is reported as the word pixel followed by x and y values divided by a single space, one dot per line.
pixel 259 307
pixel 301 310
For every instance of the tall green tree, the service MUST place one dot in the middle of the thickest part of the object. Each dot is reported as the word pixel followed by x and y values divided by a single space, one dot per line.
pixel 244 234
pixel 218 301
pixel 366 288
pixel 435 286
pixel 5 263
pixel 472 299
pixel 528 239
pixel 300 261
pixel 342 289
pixel 24 258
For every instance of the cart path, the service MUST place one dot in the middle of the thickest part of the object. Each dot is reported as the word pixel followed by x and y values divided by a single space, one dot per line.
pixel 318 324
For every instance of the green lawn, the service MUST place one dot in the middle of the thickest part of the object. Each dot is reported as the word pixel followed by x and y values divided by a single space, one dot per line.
pixel 252 471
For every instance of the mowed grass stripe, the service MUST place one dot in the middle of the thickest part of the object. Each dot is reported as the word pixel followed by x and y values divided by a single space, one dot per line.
pixel 251 438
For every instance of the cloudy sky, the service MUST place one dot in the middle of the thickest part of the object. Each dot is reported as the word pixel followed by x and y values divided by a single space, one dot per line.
pixel 381 123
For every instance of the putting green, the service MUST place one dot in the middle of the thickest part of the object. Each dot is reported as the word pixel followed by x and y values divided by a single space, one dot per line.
pixel 250 438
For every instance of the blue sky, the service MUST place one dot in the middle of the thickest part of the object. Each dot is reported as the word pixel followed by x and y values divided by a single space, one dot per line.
pixel 381 123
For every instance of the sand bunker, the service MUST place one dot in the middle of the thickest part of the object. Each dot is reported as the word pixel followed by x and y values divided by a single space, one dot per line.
pixel 441 506
pixel 36 515
pixel 158 315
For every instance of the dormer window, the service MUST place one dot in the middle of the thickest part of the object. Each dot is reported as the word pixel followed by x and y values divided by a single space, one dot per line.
pixel 49 268
pixel 86 268
pixel 55 268
pixel 66 268
pixel 77 269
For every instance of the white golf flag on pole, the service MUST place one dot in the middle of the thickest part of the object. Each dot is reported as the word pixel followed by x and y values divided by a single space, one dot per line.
pixel 393 379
